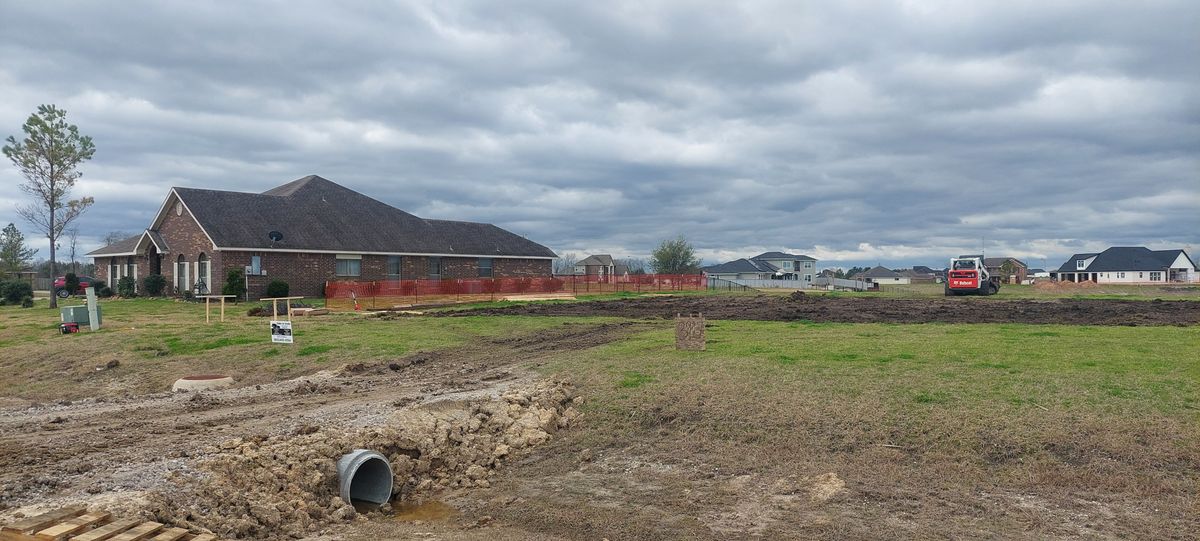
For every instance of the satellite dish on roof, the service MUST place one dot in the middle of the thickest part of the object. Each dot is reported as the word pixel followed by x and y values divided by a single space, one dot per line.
pixel 275 236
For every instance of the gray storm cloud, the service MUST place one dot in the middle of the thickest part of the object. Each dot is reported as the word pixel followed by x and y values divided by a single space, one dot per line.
pixel 855 132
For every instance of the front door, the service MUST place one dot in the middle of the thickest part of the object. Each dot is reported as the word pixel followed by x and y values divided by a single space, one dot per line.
pixel 155 260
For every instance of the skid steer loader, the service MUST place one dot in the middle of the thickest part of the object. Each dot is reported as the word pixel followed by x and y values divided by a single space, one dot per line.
pixel 968 275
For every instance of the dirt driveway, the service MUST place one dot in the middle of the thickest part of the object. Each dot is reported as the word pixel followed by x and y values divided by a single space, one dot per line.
pixel 114 453
pixel 824 308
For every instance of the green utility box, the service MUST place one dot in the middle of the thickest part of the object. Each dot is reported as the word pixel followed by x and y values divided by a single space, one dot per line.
pixel 79 314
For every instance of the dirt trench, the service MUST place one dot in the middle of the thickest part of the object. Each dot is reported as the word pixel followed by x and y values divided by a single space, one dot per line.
pixel 119 453
pixel 833 309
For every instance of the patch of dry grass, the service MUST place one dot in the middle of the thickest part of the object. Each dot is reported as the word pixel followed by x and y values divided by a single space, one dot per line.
pixel 157 341
pixel 938 431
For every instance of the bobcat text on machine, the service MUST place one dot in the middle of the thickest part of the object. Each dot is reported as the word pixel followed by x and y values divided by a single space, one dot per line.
pixel 968 275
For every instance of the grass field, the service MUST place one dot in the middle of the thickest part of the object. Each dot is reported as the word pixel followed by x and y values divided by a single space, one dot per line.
pixel 938 431
pixel 930 431
pixel 157 341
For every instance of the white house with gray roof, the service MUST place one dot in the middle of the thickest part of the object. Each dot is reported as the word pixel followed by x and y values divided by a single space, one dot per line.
pixel 1129 265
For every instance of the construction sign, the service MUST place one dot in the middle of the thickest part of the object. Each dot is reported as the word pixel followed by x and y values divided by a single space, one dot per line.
pixel 281 332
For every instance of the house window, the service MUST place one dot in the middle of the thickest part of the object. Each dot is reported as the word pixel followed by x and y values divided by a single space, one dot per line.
pixel 435 268
pixel 204 274
pixel 113 271
pixel 256 265
pixel 807 277
pixel 181 274
pixel 349 265
pixel 808 264
pixel 485 267
pixel 1141 275
pixel 1120 275
pixel 393 267
pixel 1155 276
pixel 1080 263
pixel 789 265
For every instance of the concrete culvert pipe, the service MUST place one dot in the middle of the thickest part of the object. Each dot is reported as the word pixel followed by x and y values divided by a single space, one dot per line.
pixel 364 476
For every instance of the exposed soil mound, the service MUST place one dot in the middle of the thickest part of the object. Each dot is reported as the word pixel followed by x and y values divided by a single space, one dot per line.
pixel 824 308
pixel 286 485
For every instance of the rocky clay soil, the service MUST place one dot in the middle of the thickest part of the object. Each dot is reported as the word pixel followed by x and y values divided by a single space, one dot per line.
pixel 259 462
pixel 834 309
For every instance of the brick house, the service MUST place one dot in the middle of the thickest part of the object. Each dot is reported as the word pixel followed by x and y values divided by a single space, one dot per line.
pixel 1017 273
pixel 307 232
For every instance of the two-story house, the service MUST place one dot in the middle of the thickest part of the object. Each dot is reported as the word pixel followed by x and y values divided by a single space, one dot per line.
pixel 766 266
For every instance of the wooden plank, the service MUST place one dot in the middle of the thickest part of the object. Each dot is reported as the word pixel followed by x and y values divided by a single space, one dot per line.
pixel 44 520
pixel 139 532
pixel 107 531
pixel 81 523
pixel 204 537
pixel 172 534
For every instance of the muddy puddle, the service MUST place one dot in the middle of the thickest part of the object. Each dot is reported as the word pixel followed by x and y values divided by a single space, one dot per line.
pixel 424 511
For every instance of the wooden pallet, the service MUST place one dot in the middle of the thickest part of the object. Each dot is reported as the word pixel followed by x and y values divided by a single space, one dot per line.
pixel 75 523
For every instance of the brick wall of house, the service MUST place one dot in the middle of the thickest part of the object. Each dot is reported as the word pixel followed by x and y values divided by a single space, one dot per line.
pixel 306 274
pixel 104 269
pixel 521 267
pixel 185 238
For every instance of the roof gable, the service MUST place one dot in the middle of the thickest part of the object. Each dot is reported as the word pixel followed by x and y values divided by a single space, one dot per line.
pixel 598 259
pixel 880 272
pixel 781 256
pixel 738 266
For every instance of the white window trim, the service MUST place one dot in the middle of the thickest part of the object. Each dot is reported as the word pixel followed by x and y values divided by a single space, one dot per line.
pixel 348 256
pixel 1080 264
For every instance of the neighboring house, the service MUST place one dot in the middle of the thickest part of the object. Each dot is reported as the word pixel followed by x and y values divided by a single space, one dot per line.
pixel 601 265
pixel 881 275
pixel 919 275
pixel 1039 273
pixel 741 269
pixel 766 266
pixel 827 273
pixel 1016 273
pixel 305 233
pixel 1129 265
pixel 938 276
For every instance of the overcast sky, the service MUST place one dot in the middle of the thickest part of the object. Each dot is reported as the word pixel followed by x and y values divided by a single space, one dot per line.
pixel 854 132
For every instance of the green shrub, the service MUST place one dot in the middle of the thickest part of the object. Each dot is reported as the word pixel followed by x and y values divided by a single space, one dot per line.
pixel 98 285
pixel 235 283
pixel 14 291
pixel 154 284
pixel 27 302
pixel 104 291
pixel 127 287
pixel 71 283
pixel 277 288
